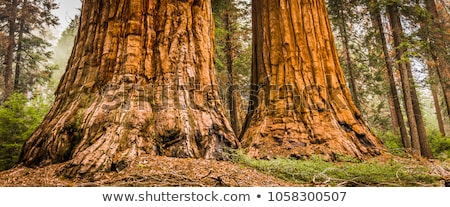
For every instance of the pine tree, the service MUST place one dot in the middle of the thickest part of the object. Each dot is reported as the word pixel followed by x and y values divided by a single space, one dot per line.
pixel 11 8
pixel 375 14
pixel 340 13
pixel 27 51
pixel 437 37
pixel 32 50
pixel 439 43
pixel 419 139
pixel 231 46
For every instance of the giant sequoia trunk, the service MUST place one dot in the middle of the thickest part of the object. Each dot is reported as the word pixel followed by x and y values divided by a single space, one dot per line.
pixel 300 104
pixel 139 81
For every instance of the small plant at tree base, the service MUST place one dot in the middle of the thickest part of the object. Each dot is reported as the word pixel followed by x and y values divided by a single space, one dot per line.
pixel 393 143
pixel 440 145
pixel 19 117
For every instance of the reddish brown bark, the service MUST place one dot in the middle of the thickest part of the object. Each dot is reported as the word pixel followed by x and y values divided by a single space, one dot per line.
pixel 140 80
pixel 300 104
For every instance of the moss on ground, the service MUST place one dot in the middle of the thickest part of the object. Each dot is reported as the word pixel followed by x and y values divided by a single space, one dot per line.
pixel 315 171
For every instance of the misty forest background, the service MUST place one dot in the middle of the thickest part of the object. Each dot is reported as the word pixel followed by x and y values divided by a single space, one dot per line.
pixel 33 61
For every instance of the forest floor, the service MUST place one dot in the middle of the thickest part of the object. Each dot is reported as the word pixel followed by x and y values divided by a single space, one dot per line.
pixel 244 171
pixel 152 171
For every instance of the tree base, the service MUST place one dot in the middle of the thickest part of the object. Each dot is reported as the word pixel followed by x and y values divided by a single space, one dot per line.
pixel 106 132
pixel 299 136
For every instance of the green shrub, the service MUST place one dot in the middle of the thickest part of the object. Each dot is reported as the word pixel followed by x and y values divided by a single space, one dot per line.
pixel 440 145
pixel 19 117
pixel 392 142
pixel 9 154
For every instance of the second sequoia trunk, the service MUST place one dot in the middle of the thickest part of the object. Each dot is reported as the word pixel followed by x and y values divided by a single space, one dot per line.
pixel 140 80
pixel 300 101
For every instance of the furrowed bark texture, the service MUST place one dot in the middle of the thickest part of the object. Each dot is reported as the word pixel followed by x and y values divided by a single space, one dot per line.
pixel 300 102
pixel 140 80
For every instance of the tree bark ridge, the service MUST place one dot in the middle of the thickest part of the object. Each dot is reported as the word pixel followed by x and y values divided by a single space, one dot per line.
pixel 301 104
pixel 140 80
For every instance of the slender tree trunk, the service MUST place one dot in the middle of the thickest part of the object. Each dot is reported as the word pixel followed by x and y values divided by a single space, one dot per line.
pixel 412 96
pixel 232 104
pixel 18 59
pixel 300 104
pixel 434 93
pixel 140 80
pixel 393 112
pixel 424 145
pixel 423 139
pixel 19 47
pixel 11 48
pixel 393 94
pixel 439 51
pixel 348 59
pixel 397 32
pixel 433 31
